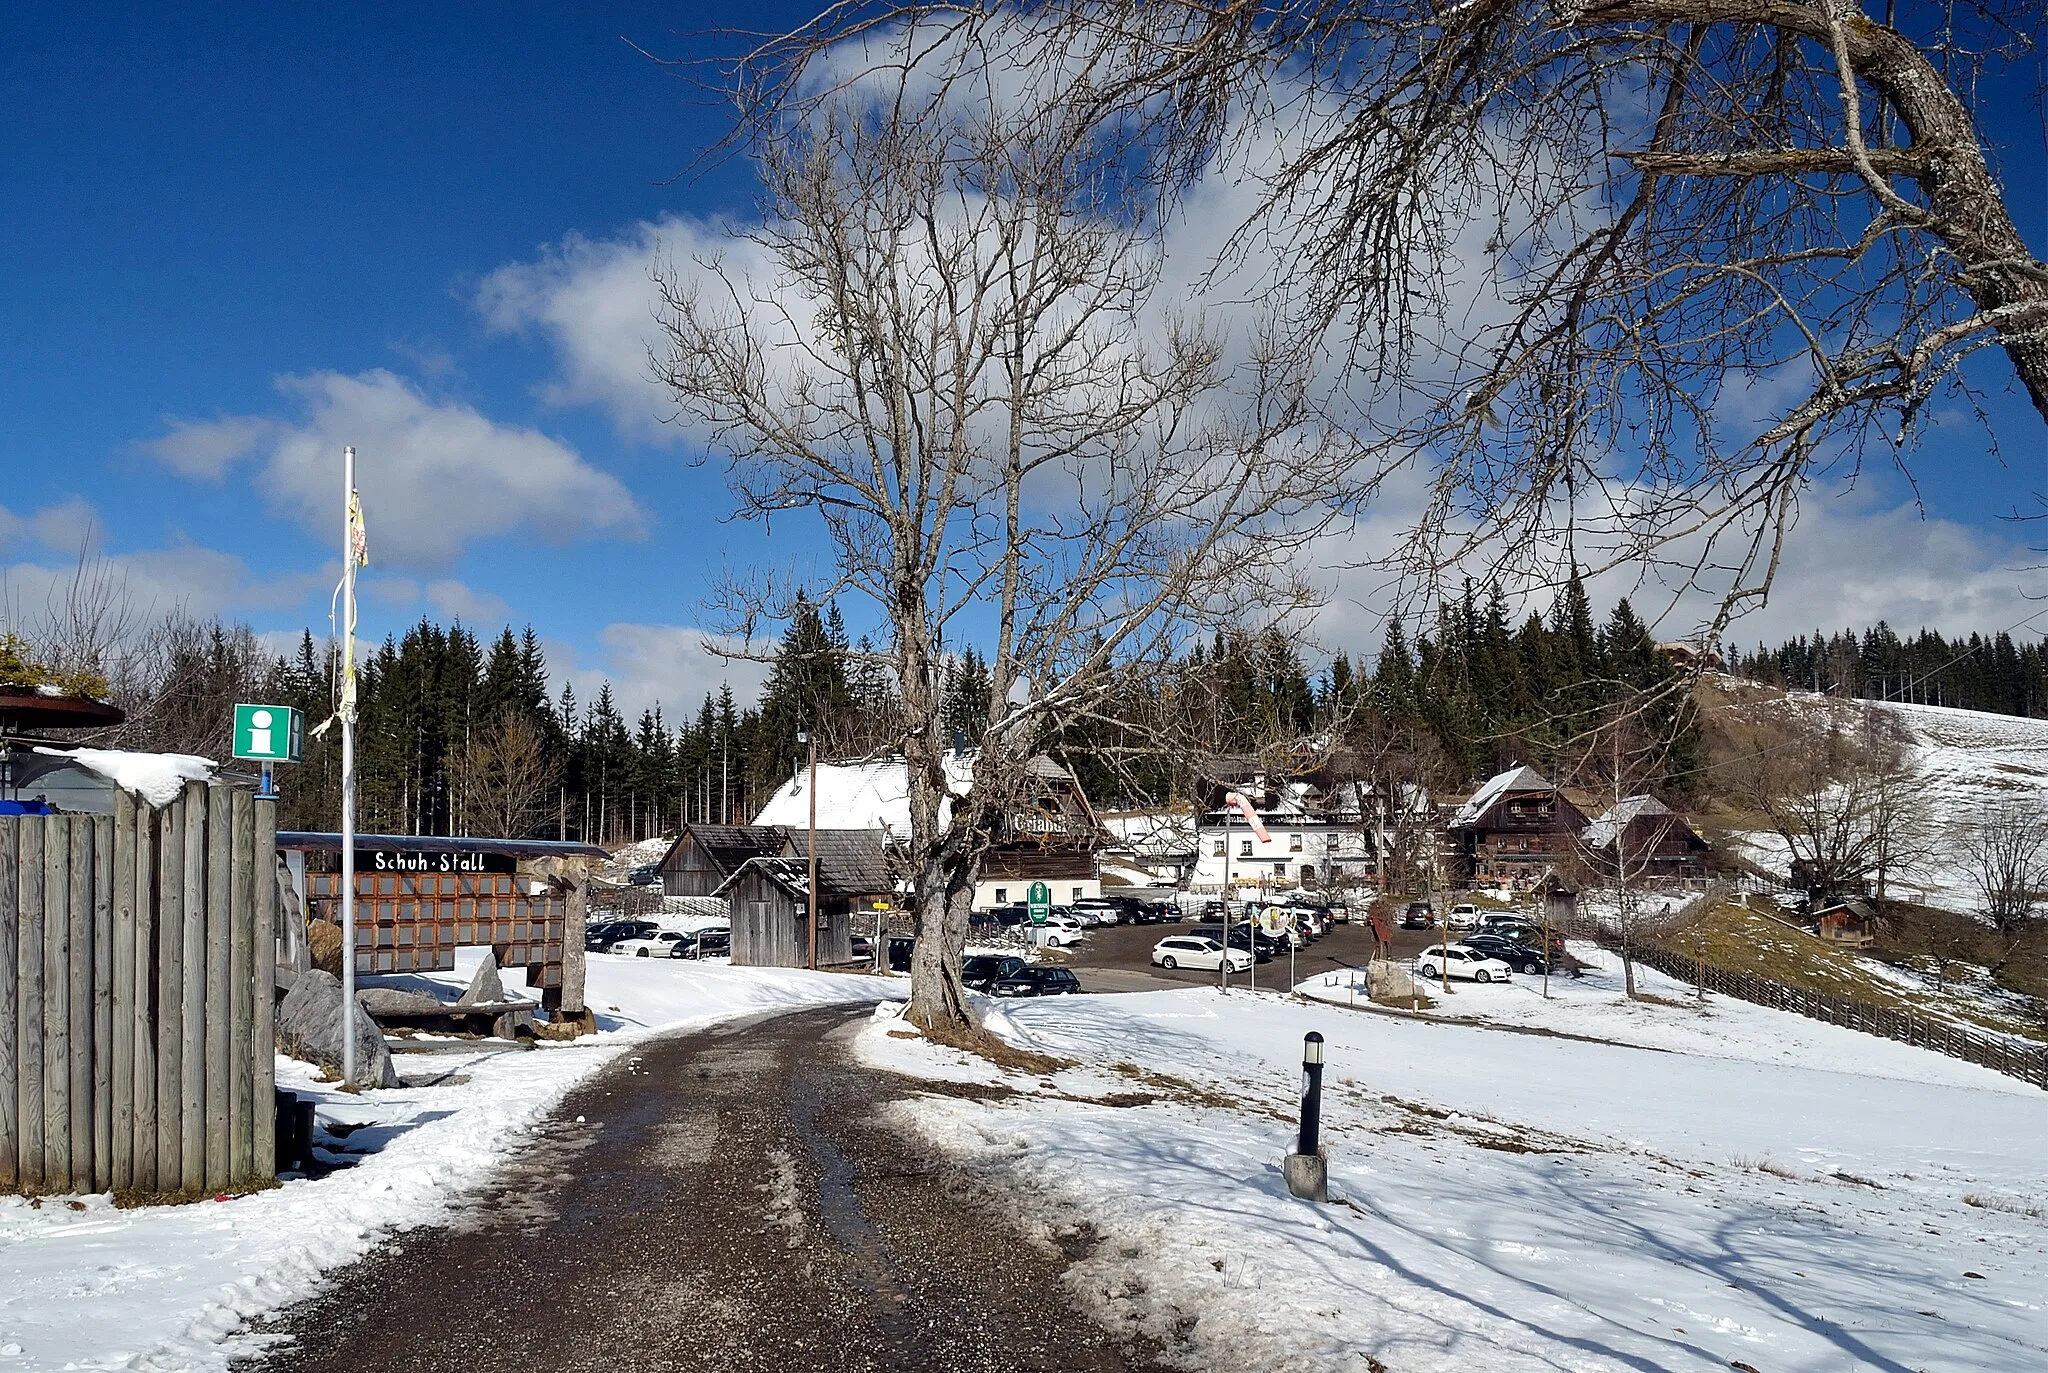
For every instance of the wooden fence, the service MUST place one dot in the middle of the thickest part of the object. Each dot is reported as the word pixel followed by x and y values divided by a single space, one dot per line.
pixel 2029 1064
pixel 137 976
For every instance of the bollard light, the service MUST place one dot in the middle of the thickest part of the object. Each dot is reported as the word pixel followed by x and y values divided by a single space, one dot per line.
pixel 1311 1093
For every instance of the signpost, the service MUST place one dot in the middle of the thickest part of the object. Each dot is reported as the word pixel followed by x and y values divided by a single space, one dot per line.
pixel 1038 901
pixel 266 735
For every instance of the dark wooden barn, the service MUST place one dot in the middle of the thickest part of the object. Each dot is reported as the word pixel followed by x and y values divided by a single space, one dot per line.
pixel 1512 828
pixel 704 857
pixel 1640 836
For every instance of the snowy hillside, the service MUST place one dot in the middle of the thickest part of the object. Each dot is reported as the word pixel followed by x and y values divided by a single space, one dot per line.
pixel 1966 764
pixel 1740 1189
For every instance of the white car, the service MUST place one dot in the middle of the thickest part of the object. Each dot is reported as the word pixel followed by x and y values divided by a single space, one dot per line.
pixel 1060 932
pixel 660 944
pixel 1458 961
pixel 1197 951
pixel 1463 917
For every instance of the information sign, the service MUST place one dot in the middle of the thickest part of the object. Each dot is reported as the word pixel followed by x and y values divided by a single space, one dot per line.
pixel 268 734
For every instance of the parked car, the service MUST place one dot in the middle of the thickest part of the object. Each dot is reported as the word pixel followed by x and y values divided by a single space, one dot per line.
pixel 1016 913
pixel 1061 932
pixel 659 944
pixel 713 941
pixel 1456 960
pixel 1463 916
pixel 1418 916
pixel 1154 913
pixel 614 932
pixel 1247 937
pixel 1103 912
pixel 646 875
pixel 863 947
pixel 982 971
pixel 1197 951
pixel 1523 958
pixel 901 946
pixel 1525 934
pixel 1033 980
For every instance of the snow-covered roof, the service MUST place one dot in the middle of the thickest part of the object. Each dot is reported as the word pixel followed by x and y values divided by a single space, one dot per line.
pixel 1518 778
pixel 874 794
pixel 1153 833
pixel 153 778
pixel 1619 816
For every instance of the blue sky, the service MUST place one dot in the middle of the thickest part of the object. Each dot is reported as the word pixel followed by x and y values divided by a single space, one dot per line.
pixel 237 232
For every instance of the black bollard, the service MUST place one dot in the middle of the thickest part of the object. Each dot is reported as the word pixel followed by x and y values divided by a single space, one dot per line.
pixel 1311 1093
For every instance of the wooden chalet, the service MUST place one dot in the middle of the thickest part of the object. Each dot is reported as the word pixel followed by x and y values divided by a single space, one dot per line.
pixel 768 897
pixel 1647 838
pixel 1513 827
pixel 1050 835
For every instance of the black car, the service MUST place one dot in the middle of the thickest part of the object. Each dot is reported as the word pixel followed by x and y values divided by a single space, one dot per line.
pixel 1529 936
pixel 1418 916
pixel 1016 913
pixel 703 944
pixel 1250 938
pixel 1036 981
pixel 983 971
pixel 600 938
pixel 901 946
pixel 1154 913
pixel 1523 958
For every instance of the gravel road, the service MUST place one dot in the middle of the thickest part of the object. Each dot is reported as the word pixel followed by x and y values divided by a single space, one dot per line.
pixel 728 1202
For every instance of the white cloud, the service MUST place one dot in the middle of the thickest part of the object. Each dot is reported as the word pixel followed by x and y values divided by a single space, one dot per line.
pixel 672 665
pixel 595 301
pixel 66 527
pixel 434 474
pixel 457 601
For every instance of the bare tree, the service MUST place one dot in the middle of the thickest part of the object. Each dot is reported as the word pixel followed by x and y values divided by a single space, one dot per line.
pixel 1564 242
pixel 502 778
pixel 950 356
pixel 1842 799
pixel 2008 856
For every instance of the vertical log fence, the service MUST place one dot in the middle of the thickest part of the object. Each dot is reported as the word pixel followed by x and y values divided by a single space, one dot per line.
pixel 137 975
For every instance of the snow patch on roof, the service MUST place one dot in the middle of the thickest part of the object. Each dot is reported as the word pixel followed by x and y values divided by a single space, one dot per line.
pixel 153 778
pixel 1517 778
pixel 1618 817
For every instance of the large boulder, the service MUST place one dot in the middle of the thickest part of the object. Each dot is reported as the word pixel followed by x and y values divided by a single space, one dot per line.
pixel 309 1029
pixel 486 988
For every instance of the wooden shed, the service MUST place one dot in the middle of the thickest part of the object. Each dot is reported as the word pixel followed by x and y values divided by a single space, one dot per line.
pixel 1848 923
pixel 771 910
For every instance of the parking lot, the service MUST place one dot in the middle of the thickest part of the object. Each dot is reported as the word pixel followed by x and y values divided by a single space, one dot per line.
pixel 1119 958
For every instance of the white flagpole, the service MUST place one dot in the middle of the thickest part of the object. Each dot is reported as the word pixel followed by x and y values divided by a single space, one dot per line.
pixel 348 768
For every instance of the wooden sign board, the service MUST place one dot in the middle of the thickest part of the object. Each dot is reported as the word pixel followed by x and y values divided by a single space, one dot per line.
pixel 432 860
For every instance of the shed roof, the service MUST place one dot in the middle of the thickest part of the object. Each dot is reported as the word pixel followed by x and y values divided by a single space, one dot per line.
pixel 850 862
pixel 1619 816
pixel 728 846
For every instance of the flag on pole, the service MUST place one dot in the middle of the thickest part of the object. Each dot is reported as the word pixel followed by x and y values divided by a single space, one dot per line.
pixel 358 537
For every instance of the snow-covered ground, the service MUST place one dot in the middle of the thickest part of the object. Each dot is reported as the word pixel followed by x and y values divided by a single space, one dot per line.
pixel 84 1285
pixel 1746 1189
pixel 1965 764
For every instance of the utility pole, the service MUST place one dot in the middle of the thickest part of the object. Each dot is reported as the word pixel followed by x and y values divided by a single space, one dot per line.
pixel 811 846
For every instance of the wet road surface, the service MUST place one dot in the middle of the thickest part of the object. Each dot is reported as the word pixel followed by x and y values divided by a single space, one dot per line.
pixel 730 1202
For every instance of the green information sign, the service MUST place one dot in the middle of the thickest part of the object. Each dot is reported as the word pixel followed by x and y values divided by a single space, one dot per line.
pixel 268 734
pixel 1038 900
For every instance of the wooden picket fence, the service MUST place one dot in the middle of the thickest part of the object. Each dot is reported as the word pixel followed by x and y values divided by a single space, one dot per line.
pixel 2029 1064
pixel 137 975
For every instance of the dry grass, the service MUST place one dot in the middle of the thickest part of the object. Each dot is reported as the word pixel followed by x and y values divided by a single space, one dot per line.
pixel 1732 937
pixel 1985 1202
pixel 973 1039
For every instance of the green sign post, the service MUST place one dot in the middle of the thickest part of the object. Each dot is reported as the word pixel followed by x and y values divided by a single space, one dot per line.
pixel 266 735
pixel 1038 901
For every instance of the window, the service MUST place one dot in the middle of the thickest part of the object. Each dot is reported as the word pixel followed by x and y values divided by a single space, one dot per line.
pixel 1219 848
pixel 1294 843
pixel 1002 896
pixel 1078 891
pixel 1244 848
